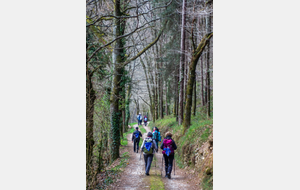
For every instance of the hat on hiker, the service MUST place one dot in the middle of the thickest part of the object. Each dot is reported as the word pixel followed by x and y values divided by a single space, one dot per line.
pixel 168 134
pixel 137 128
pixel 149 134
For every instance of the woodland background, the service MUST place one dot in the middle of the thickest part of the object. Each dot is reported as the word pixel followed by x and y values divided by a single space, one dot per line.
pixel 43 97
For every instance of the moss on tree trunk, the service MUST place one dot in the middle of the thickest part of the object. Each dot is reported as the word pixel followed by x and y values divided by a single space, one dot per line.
pixel 189 89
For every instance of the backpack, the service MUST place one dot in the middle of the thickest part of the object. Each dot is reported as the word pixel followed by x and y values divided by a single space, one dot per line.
pixel 155 135
pixel 136 135
pixel 168 149
pixel 145 119
pixel 159 137
pixel 148 146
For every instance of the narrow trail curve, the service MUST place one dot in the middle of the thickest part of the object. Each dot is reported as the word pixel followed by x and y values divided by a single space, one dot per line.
pixel 134 176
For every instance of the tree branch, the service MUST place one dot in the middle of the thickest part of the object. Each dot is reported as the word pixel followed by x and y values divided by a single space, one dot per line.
pixel 123 36
pixel 145 101
pixel 149 46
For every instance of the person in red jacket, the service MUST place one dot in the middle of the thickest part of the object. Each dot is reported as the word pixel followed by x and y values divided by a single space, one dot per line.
pixel 168 146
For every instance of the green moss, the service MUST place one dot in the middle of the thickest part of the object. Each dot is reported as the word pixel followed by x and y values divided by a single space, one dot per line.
pixel 207 183
pixel 132 124
pixel 156 183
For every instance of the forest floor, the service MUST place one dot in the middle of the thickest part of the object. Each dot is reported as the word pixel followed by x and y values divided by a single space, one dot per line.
pixel 133 177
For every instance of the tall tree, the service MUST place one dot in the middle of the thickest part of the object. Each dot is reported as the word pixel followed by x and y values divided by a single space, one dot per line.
pixel 182 56
pixel 208 25
pixel 192 65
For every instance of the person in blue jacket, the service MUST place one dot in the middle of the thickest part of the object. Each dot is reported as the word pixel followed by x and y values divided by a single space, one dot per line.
pixel 139 118
pixel 156 135
pixel 136 139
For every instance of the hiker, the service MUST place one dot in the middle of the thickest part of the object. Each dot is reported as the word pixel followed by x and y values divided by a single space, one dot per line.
pixel 168 146
pixel 139 118
pixel 145 120
pixel 156 135
pixel 136 139
pixel 148 147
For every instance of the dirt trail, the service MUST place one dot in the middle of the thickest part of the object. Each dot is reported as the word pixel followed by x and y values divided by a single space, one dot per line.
pixel 134 176
pixel 178 181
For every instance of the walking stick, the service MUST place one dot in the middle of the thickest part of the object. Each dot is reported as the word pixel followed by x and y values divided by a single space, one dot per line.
pixel 161 166
pixel 174 165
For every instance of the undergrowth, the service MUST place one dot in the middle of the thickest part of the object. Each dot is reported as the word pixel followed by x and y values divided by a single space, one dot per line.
pixel 195 136
pixel 109 176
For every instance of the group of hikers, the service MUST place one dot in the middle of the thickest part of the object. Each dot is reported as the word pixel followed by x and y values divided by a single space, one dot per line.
pixel 140 119
pixel 150 146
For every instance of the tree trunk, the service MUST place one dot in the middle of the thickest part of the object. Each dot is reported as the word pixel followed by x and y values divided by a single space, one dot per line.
pixel 196 54
pixel 167 86
pixel 177 91
pixel 195 97
pixel 208 23
pixel 90 99
pixel 182 44
pixel 114 98
pixel 148 87
pixel 202 81
pixel 161 99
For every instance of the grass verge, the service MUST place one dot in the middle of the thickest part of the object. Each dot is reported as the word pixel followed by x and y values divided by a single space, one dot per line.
pixel 109 176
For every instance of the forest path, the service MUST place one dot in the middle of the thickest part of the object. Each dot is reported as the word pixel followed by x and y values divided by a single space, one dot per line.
pixel 180 180
pixel 134 176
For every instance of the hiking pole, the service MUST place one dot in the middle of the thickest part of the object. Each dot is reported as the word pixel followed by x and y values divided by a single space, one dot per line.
pixel 141 154
pixel 174 165
pixel 161 165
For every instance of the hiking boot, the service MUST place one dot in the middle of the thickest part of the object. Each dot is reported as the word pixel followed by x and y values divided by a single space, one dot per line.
pixel 137 151
pixel 168 175
pixel 146 173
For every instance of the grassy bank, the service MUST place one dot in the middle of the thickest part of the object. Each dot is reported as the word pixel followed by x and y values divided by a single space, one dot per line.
pixel 124 140
pixel 194 147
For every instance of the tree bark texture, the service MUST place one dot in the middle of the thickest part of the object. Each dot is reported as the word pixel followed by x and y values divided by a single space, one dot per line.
pixel 195 97
pixel 90 100
pixel 182 45
pixel 208 25
pixel 196 54
pixel 114 98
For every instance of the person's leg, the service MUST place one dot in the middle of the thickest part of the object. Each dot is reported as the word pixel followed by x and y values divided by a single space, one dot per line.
pixel 149 161
pixel 145 159
pixel 137 145
pixel 134 145
pixel 166 163
pixel 171 158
